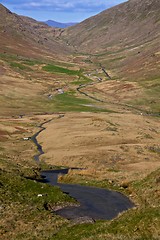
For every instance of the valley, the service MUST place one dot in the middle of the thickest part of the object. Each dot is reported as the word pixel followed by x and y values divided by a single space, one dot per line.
pixel 110 128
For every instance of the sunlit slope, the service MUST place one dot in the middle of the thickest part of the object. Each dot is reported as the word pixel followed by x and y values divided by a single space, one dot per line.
pixel 132 23
pixel 126 37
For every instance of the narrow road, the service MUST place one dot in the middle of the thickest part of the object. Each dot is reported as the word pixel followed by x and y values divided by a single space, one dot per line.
pixel 95 203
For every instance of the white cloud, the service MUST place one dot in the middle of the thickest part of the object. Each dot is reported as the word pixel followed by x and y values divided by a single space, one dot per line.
pixel 64 5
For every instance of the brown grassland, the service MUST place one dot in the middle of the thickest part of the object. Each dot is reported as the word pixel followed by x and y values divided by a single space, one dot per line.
pixel 117 145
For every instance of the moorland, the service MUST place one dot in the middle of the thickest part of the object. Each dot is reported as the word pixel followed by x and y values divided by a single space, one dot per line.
pixel 103 77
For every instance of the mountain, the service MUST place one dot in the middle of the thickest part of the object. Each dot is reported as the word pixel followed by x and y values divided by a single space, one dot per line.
pixel 129 23
pixel 27 36
pixel 126 36
pixel 52 23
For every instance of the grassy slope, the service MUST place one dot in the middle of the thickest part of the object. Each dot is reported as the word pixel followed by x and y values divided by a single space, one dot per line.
pixel 23 211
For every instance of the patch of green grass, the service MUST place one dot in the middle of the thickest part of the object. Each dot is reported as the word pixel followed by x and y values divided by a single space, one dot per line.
pixel 31 62
pixel 26 208
pixel 8 57
pixel 148 189
pixel 147 104
pixel 58 69
pixel 20 66
pixel 15 57
pixel 19 189
pixel 82 80
pixel 151 83
pixel 151 97
pixel 21 60
pixel 69 102
pixel 128 226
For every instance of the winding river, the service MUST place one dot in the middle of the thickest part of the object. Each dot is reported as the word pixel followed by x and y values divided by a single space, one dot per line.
pixel 95 203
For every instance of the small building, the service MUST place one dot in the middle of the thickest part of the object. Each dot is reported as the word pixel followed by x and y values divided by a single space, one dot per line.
pixel 60 91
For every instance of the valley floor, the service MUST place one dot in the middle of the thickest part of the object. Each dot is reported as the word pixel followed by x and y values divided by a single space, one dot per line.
pixel 114 145
pixel 120 147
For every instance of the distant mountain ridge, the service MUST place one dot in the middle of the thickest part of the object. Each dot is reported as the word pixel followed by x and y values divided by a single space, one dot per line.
pixel 52 23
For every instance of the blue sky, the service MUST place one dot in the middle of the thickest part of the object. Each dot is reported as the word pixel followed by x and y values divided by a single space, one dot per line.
pixel 59 10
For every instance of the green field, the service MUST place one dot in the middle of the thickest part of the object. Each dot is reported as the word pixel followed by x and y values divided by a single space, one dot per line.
pixel 58 69
pixel 71 103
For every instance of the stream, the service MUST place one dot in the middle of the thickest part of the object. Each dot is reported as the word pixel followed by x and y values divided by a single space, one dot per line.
pixel 95 203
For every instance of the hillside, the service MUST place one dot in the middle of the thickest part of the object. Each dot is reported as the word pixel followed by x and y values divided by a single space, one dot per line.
pixel 132 23
pixel 124 38
pixel 26 36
